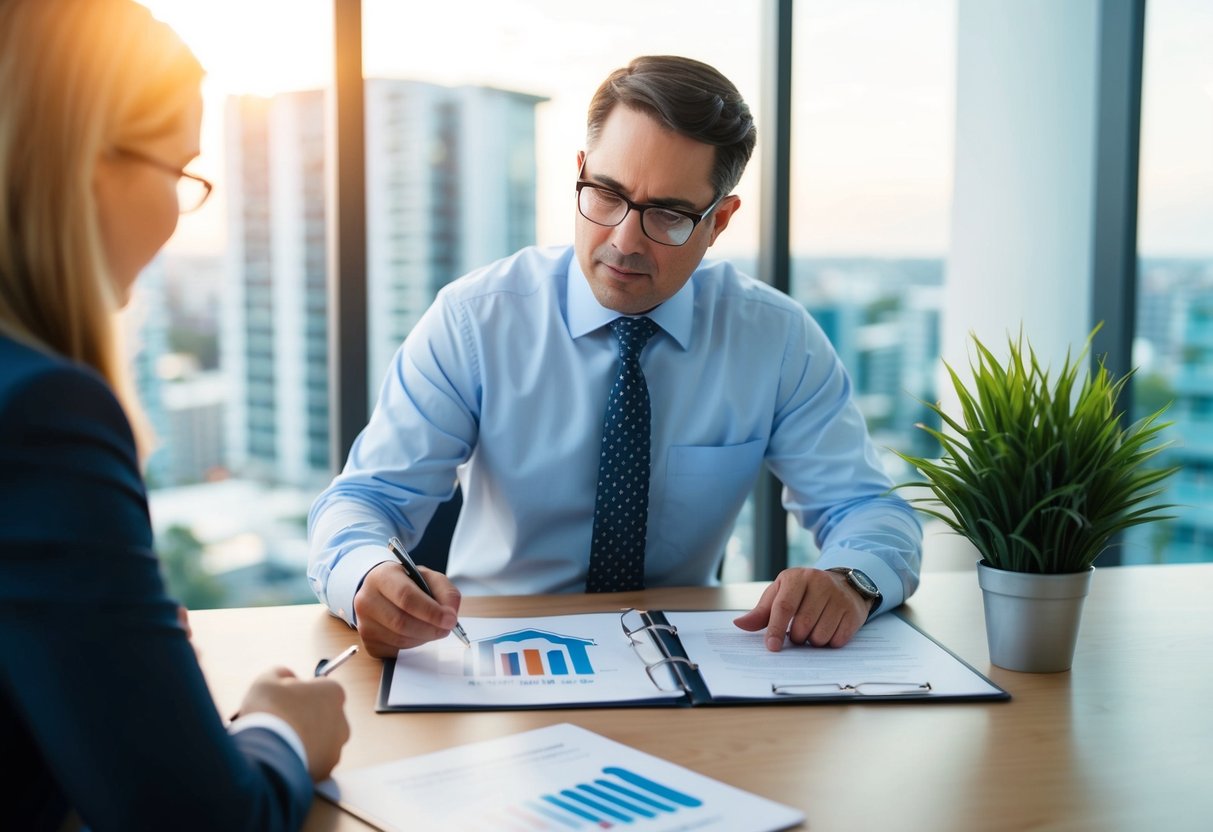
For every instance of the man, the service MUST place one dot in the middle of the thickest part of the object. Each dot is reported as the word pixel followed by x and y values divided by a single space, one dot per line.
pixel 703 375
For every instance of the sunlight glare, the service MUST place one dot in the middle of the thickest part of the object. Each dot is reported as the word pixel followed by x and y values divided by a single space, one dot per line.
pixel 261 47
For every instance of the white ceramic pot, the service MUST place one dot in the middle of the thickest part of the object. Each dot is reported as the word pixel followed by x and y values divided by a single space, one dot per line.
pixel 1032 620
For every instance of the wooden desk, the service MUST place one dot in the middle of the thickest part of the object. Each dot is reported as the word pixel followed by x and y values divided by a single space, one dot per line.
pixel 1122 741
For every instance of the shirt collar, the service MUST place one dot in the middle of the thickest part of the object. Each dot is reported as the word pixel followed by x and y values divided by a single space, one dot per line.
pixel 675 316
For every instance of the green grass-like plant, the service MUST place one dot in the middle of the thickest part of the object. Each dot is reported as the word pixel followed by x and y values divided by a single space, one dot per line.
pixel 1040 474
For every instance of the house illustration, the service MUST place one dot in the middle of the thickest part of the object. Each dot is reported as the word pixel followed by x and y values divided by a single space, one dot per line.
pixel 565 651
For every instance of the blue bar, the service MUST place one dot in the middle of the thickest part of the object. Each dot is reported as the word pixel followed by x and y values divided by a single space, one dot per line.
pixel 512 668
pixel 597 807
pixel 656 788
pixel 635 795
pixel 581 660
pixel 568 807
pixel 618 801
pixel 557 664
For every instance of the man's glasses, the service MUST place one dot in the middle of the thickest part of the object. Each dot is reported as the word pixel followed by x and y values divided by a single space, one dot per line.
pixel 192 190
pixel 660 223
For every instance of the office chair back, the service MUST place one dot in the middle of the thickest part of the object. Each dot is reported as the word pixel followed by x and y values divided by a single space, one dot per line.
pixel 435 546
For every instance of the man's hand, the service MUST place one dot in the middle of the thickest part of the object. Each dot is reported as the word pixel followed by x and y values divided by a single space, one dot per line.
pixel 809 606
pixel 393 613
pixel 315 708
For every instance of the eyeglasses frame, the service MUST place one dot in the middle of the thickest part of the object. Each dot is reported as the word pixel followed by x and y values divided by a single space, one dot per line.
pixel 180 173
pixel 852 689
pixel 641 207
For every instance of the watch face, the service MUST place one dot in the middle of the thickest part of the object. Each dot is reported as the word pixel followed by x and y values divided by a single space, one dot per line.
pixel 864 583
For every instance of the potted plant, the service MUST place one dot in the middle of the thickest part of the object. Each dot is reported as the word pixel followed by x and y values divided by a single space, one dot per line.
pixel 1039 474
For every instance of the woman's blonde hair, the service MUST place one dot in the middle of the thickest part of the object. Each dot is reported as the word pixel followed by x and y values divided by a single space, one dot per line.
pixel 79 77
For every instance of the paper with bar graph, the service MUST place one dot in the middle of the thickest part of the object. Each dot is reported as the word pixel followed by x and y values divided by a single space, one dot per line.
pixel 555 779
pixel 525 662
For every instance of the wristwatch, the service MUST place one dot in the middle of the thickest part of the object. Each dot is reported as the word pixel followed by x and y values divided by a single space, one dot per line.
pixel 861 583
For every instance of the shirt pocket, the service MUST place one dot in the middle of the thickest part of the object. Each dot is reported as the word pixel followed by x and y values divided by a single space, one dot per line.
pixel 705 487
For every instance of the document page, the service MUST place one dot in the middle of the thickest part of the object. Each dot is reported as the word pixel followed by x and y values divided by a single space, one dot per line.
pixel 525 662
pixel 557 778
pixel 888 654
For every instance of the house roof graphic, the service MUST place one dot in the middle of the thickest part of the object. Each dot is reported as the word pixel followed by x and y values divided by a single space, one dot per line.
pixel 527 634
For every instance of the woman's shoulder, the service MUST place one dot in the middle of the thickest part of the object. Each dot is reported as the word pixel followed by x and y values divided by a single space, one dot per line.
pixel 53 409
pixel 68 453
pixel 36 381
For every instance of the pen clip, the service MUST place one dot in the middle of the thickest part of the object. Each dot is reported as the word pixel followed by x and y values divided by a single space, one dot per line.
pixel 397 549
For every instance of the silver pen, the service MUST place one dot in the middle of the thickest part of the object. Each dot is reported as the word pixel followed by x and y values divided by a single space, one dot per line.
pixel 326 666
pixel 397 548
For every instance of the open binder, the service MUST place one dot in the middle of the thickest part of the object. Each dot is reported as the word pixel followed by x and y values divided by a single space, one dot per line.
pixel 648 658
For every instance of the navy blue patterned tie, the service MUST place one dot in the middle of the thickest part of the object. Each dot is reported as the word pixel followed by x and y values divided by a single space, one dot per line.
pixel 621 509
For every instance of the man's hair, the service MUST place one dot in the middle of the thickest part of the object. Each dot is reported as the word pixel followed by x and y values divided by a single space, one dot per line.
pixel 688 97
pixel 79 77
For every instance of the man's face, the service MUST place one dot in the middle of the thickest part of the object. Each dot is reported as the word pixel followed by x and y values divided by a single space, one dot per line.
pixel 639 158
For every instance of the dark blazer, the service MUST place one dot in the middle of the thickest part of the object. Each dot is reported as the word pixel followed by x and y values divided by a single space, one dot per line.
pixel 103 709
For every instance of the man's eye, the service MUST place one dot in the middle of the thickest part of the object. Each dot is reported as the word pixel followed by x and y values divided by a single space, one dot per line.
pixel 663 219
pixel 606 197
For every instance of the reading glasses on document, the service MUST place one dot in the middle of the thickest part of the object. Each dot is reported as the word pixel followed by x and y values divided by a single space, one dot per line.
pixel 856 689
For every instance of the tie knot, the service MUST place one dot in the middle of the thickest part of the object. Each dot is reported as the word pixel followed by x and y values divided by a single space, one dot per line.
pixel 633 333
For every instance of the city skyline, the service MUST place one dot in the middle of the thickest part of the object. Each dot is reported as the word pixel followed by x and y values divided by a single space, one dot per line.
pixel 864 69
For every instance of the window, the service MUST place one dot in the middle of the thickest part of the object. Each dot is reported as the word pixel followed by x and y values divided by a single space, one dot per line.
pixel 872 134
pixel 1173 345
pixel 233 334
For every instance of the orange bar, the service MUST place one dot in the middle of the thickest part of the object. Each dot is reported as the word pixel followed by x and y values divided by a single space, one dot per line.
pixel 534 664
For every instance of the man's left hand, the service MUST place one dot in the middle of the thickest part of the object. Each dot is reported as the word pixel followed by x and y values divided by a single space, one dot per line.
pixel 808 606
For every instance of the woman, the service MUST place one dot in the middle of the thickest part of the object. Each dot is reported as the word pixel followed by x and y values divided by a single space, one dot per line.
pixel 106 720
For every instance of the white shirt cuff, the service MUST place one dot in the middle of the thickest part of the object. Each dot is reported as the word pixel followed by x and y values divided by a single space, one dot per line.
pixel 277 724
pixel 347 576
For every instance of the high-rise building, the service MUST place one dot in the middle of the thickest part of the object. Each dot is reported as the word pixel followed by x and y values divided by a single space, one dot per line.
pixel 1175 312
pixel 451 185
pixel 451 180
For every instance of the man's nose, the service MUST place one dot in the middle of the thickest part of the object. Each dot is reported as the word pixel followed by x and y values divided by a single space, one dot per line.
pixel 629 236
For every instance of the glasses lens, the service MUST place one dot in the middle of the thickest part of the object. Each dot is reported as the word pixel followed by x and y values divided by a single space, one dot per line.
pixel 666 227
pixel 601 206
pixel 191 193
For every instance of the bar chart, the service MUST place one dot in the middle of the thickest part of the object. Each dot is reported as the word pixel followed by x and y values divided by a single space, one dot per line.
pixel 617 797
pixel 561 778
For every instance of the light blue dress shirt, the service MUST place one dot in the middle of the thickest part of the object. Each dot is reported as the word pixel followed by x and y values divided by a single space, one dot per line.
pixel 503 384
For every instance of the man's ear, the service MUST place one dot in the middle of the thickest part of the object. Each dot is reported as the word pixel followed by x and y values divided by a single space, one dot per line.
pixel 721 216
pixel 580 159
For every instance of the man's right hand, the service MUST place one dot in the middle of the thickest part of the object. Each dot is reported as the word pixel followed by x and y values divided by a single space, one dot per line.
pixel 393 613
pixel 315 708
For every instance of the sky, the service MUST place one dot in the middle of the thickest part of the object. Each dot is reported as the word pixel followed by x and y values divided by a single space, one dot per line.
pixel 873 91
